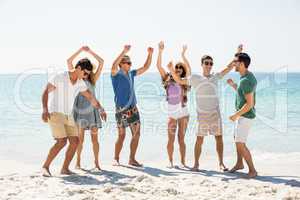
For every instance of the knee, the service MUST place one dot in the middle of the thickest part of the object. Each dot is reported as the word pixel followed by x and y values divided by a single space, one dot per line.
pixel 74 141
pixel 121 138
pixel 199 140
pixel 171 141
pixel 240 146
pixel 181 141
pixel 61 142
pixel 95 142
pixel 219 139
pixel 136 136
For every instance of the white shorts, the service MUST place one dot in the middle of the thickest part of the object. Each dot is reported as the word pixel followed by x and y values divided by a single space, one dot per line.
pixel 177 111
pixel 241 129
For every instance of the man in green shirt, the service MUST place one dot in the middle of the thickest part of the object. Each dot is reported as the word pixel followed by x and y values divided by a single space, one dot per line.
pixel 245 112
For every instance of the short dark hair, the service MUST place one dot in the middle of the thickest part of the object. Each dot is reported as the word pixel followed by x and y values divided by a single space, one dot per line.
pixel 84 64
pixel 206 57
pixel 244 58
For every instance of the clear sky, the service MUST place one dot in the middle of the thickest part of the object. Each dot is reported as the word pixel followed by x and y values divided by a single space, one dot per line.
pixel 40 34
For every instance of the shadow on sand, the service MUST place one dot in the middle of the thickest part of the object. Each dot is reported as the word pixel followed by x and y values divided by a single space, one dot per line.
pixel 109 177
pixel 115 178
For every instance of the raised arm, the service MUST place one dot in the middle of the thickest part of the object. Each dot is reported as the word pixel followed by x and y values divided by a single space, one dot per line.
pixel 49 88
pixel 232 84
pixel 115 66
pixel 230 65
pixel 161 70
pixel 72 58
pixel 147 63
pixel 100 63
pixel 185 60
pixel 175 76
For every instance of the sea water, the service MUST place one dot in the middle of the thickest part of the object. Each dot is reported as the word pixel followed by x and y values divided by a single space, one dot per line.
pixel 25 137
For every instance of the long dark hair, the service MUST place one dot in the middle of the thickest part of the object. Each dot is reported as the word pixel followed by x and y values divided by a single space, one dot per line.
pixel 181 65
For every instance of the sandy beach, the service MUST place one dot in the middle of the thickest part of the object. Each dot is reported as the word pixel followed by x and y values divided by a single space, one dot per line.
pixel 279 178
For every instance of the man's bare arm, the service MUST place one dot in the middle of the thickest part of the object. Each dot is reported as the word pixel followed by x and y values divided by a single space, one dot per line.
pixel 147 63
pixel 49 88
pixel 232 84
pixel 116 63
pixel 246 108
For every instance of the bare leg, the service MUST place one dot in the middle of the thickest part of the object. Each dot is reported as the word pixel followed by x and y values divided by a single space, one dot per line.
pixel 182 123
pixel 74 141
pixel 119 144
pixel 56 148
pixel 135 131
pixel 239 162
pixel 172 125
pixel 219 147
pixel 197 152
pixel 247 156
pixel 79 148
pixel 94 136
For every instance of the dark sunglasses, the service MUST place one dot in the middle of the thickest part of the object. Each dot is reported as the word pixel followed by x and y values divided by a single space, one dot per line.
pixel 208 63
pixel 179 67
pixel 128 63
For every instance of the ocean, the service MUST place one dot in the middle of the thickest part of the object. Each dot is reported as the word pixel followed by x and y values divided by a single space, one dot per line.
pixel 25 137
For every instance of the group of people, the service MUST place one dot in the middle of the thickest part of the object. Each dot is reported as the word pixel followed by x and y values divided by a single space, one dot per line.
pixel 74 108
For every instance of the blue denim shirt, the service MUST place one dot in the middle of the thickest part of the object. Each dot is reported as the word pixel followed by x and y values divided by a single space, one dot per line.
pixel 123 85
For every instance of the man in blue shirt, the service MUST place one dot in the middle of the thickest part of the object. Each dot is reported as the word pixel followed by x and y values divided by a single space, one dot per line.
pixel 127 114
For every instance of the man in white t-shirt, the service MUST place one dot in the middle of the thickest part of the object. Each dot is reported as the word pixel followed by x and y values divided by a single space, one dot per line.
pixel 62 90
pixel 207 102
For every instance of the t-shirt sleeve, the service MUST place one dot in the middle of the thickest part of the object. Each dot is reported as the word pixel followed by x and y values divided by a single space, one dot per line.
pixel 247 87
pixel 54 80
pixel 81 86
pixel 133 72
pixel 218 76
pixel 192 80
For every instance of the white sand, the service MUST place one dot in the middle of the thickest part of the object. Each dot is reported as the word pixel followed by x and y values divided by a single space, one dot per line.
pixel 279 178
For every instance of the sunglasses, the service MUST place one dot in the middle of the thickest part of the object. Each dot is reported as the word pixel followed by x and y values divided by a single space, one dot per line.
pixel 128 63
pixel 208 63
pixel 178 67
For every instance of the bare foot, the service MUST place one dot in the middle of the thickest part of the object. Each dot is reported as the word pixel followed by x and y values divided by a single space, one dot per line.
pixel 235 168
pixel 195 168
pixel 97 167
pixel 135 163
pixel 170 166
pixel 252 174
pixel 183 165
pixel 46 172
pixel 116 163
pixel 223 168
pixel 78 167
pixel 66 172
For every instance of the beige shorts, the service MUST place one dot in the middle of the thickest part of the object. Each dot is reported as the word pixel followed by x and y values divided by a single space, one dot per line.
pixel 62 125
pixel 210 123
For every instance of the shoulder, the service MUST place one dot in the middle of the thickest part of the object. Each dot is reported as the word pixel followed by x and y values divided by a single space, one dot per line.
pixel 133 72
pixel 57 77
pixel 117 74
